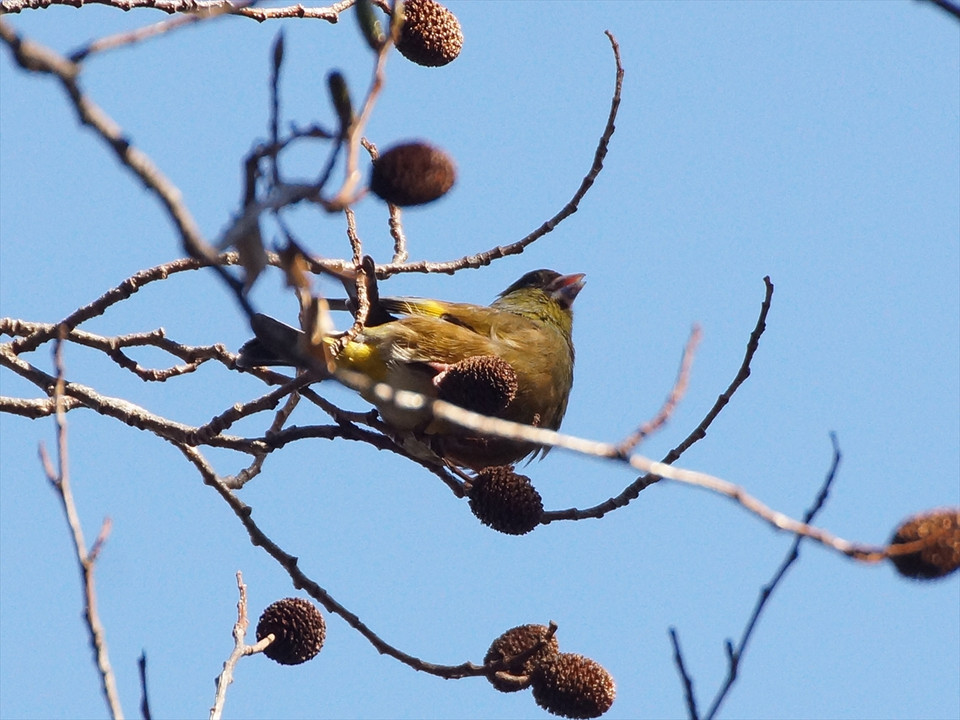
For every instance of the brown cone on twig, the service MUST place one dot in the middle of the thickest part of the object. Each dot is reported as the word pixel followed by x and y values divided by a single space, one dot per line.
pixel 430 34
pixel 505 500
pixel 299 631
pixel 517 642
pixel 940 556
pixel 412 173
pixel 573 686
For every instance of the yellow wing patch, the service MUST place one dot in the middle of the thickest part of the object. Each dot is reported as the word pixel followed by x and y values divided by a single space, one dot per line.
pixel 363 358
pixel 415 306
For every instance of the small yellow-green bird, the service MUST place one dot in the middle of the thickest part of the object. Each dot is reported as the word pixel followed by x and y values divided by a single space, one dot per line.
pixel 512 359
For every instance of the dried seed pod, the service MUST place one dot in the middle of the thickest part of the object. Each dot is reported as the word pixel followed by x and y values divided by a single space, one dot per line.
pixel 513 643
pixel 340 97
pixel 412 173
pixel 369 23
pixel 940 556
pixel 505 501
pixel 485 384
pixel 299 629
pixel 430 34
pixel 573 686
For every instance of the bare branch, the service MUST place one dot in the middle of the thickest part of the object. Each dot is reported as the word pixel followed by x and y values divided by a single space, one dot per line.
pixel 290 563
pixel 194 357
pixel 35 408
pixel 673 399
pixel 485 258
pixel 34 335
pixel 753 344
pixel 330 14
pixel 735 654
pixel 947 6
pixel 144 697
pixel 120 409
pixel 131 37
pixel 59 478
pixel 632 491
pixel 240 648
pixel 36 58
pixel 688 693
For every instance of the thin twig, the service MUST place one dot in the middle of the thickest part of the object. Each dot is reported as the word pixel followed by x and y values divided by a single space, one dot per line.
pixel 353 135
pixel 485 258
pixel 240 649
pixel 34 57
pixel 688 693
pixel 673 399
pixel 947 6
pixel 33 338
pixel 205 433
pixel 495 427
pixel 280 418
pixel 400 253
pixel 735 654
pixel 396 216
pixel 144 697
pixel 275 104
pixel 290 563
pixel 356 245
pixel 194 356
pixel 633 490
pixel 163 27
pixel 59 478
pixel 330 14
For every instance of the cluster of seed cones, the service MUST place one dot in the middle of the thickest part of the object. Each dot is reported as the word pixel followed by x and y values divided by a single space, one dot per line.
pixel 564 684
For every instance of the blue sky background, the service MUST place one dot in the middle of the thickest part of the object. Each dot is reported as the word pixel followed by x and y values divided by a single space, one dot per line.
pixel 814 142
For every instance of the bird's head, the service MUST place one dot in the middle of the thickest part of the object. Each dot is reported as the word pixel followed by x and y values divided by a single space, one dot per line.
pixel 544 294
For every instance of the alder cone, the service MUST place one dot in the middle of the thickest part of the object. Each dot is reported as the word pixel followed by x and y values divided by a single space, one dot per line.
pixel 413 173
pixel 573 686
pixel 298 627
pixel 505 500
pixel 940 556
pixel 430 34
pixel 513 643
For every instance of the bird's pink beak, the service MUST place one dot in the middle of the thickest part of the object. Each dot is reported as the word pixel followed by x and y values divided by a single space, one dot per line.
pixel 566 288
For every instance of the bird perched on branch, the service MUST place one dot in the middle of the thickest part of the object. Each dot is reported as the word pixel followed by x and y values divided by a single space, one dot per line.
pixel 512 359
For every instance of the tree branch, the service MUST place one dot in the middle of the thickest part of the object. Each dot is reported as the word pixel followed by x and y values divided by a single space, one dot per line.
pixel 485 258
pixel 330 14
pixel 735 654
pixel 59 478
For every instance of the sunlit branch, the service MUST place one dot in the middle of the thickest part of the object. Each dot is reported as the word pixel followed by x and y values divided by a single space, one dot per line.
pixel 59 478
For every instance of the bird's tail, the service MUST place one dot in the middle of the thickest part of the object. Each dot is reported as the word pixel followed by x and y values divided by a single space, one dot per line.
pixel 276 343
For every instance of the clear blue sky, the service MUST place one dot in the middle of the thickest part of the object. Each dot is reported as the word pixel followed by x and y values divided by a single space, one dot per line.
pixel 814 142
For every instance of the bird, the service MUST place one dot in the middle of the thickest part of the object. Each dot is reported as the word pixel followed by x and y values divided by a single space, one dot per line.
pixel 512 359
